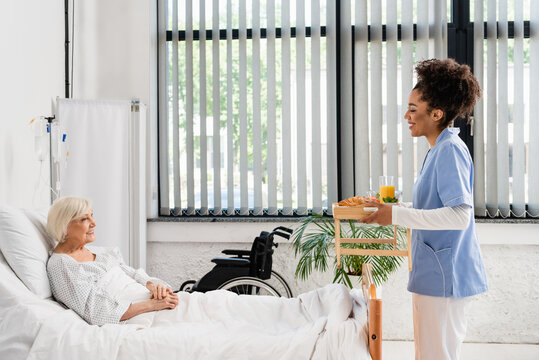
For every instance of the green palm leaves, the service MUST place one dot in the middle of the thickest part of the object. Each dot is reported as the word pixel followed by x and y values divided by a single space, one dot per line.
pixel 313 243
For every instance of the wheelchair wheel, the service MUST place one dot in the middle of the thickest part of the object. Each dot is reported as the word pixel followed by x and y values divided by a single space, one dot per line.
pixel 187 286
pixel 278 283
pixel 249 286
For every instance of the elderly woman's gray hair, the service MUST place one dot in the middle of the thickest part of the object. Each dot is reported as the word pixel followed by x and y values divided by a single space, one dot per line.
pixel 62 211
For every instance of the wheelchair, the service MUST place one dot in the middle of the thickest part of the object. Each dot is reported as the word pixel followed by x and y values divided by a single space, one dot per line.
pixel 246 272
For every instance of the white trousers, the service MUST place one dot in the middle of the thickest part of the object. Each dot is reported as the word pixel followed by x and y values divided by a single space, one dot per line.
pixel 439 326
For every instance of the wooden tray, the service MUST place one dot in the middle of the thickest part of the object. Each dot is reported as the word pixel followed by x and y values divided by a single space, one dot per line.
pixel 357 213
pixel 352 212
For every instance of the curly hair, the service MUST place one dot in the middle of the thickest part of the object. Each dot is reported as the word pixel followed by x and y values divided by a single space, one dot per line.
pixel 448 86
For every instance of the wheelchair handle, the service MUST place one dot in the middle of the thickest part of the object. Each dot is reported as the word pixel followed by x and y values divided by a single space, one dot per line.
pixel 281 234
pixel 290 231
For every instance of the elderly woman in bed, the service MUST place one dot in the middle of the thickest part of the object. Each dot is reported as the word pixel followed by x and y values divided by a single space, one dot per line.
pixel 79 275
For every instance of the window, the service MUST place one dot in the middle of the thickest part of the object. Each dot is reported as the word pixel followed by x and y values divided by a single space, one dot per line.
pixel 282 107
pixel 505 58
pixel 248 114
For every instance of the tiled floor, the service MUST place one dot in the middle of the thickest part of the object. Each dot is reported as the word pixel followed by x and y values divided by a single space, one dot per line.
pixel 404 350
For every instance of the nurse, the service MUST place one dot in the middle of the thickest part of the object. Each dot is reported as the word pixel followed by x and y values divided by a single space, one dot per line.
pixel 447 263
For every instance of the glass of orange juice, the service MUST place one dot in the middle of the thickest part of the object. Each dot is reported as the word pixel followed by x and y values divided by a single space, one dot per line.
pixel 387 187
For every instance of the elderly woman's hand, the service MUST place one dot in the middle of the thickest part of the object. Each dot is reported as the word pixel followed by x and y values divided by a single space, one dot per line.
pixel 170 301
pixel 158 291
pixel 383 216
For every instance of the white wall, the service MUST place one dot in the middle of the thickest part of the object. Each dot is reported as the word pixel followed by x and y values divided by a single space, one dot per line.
pixel 31 75
pixel 115 59
pixel 112 52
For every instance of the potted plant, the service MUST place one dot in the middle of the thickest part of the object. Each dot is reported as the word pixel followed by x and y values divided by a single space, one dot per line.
pixel 314 244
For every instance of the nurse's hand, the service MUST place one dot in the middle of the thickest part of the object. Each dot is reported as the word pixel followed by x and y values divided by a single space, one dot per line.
pixel 382 217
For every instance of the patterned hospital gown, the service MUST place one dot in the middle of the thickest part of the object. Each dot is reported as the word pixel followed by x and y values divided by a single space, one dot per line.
pixel 75 284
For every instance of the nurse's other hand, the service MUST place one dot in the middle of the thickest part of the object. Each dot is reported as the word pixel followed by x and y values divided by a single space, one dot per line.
pixel 382 217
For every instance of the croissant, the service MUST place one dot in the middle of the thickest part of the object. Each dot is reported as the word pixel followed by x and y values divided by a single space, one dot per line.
pixel 353 201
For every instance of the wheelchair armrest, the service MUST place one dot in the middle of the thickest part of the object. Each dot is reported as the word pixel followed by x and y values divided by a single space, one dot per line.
pixel 239 253
pixel 231 262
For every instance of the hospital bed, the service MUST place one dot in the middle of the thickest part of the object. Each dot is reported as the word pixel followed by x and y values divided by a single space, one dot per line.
pixel 34 326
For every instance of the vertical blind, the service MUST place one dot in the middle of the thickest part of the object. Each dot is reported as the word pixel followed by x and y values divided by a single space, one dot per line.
pixel 248 120
pixel 504 144
pixel 383 80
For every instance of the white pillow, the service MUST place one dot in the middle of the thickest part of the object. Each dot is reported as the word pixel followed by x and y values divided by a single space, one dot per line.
pixel 25 249
pixel 38 217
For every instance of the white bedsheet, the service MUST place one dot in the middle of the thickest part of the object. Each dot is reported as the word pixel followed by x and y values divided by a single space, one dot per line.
pixel 222 325
pixel 328 323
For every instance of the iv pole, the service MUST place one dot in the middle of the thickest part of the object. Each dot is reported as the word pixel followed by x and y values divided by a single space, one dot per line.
pixel 67 91
pixel 66 47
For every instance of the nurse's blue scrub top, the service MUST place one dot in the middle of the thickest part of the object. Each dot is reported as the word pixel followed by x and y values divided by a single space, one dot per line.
pixel 446 263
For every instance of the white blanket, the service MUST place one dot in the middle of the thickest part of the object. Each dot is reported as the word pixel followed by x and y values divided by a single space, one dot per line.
pixel 328 323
